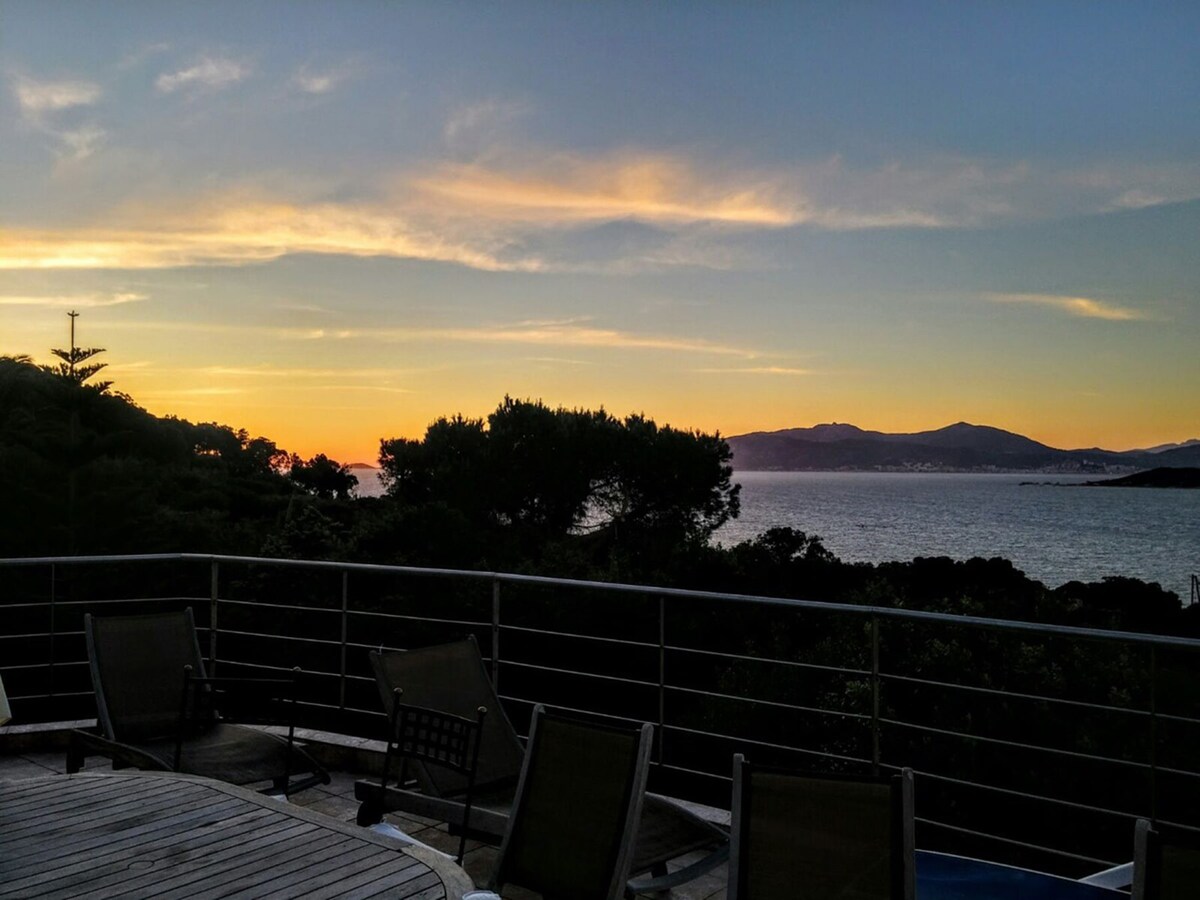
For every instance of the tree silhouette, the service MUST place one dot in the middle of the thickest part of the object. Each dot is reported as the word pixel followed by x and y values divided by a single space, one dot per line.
pixel 72 366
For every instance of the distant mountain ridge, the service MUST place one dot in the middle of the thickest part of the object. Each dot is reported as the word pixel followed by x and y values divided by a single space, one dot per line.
pixel 961 447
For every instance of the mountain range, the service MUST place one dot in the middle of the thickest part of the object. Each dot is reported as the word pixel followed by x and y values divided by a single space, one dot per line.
pixel 956 448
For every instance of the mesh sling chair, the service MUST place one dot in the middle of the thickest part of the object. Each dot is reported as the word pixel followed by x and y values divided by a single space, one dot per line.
pixel 157 710
pixel 452 677
pixel 1166 863
pixel 833 837
pixel 578 800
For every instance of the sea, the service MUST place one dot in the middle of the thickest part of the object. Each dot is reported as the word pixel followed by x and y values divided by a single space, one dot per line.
pixel 1050 526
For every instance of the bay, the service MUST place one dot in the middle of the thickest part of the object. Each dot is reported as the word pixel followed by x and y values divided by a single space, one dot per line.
pixel 1053 533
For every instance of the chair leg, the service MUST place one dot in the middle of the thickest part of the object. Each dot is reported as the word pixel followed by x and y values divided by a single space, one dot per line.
pixel 75 756
pixel 370 812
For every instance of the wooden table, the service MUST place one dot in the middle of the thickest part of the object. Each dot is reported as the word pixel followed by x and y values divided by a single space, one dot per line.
pixel 163 835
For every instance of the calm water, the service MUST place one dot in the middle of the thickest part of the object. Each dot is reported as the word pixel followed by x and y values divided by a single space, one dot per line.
pixel 1053 534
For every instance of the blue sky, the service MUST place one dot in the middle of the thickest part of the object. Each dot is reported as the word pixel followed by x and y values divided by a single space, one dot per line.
pixel 331 223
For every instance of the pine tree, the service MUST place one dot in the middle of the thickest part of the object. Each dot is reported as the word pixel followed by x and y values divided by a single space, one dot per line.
pixel 72 366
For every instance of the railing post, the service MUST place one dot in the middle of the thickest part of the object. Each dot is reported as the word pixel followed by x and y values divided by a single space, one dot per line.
pixel 53 624
pixel 1153 735
pixel 662 674
pixel 214 584
pixel 875 751
pixel 345 635
pixel 496 634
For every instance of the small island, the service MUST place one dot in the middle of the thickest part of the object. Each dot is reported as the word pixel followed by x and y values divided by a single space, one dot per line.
pixel 1154 478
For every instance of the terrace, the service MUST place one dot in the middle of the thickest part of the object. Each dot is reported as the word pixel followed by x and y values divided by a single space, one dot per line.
pixel 1032 745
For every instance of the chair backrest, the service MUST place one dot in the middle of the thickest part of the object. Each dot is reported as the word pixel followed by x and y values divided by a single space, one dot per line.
pixel 452 678
pixel 1166 863
pixel 833 837
pixel 137 665
pixel 437 737
pixel 441 738
pixel 574 821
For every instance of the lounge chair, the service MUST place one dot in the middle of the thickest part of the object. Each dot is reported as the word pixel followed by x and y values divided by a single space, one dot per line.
pixel 1166 863
pixel 157 710
pixel 834 837
pixel 571 830
pixel 452 677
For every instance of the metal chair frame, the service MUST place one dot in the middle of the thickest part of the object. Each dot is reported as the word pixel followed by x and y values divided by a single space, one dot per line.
pixel 437 737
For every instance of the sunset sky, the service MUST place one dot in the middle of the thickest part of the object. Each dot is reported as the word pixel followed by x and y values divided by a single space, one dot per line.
pixel 330 223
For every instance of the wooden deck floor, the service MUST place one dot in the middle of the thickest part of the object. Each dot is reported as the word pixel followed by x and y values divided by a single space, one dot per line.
pixel 336 801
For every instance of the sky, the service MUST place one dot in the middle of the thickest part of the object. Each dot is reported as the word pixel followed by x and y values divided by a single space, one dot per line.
pixel 332 223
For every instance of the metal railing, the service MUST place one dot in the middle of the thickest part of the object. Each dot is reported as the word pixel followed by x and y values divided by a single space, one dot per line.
pixel 1030 741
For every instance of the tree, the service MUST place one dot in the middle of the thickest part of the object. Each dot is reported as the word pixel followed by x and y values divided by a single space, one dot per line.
pixel 324 478
pixel 72 366
pixel 535 475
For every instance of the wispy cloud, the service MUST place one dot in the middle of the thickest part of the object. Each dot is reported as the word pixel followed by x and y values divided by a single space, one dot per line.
pixel 80 301
pixel 652 189
pixel 313 79
pixel 558 334
pixel 758 370
pixel 1084 307
pixel 536 188
pixel 614 213
pixel 169 393
pixel 313 83
pixel 289 372
pixel 44 104
pixel 481 120
pixel 233 231
pixel 303 307
pixel 82 142
pixel 36 97
pixel 209 72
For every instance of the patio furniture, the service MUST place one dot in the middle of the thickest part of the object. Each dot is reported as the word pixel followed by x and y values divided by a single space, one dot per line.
pixel 448 741
pixel 177 837
pixel 1166 863
pixel 452 677
pixel 836 837
pixel 570 834
pixel 156 709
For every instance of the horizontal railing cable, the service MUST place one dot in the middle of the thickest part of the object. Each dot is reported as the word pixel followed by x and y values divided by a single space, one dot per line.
pixel 1024 795
pixel 597 639
pixel 751 742
pixel 775 704
pixel 1013 842
pixel 786 663
pixel 1017 745
pixel 998 692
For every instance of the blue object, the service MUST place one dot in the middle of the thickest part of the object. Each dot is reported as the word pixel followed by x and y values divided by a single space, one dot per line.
pixel 941 876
